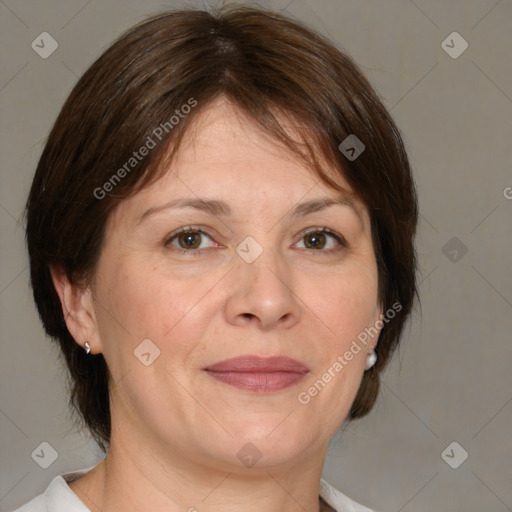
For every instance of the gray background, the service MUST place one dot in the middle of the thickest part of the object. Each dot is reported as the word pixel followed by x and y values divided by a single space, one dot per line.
pixel 451 380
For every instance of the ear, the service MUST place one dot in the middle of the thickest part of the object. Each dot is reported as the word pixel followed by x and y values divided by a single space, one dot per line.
pixel 78 308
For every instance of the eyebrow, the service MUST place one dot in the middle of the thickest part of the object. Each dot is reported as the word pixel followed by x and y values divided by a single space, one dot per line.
pixel 220 208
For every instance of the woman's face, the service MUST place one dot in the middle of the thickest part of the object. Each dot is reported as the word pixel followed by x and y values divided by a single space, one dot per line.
pixel 261 278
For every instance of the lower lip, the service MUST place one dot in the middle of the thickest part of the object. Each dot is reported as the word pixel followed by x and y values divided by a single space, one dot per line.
pixel 259 382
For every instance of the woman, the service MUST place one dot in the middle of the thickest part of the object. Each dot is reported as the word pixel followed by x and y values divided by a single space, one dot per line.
pixel 221 238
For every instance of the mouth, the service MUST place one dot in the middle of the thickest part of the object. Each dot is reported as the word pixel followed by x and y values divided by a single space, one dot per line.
pixel 258 374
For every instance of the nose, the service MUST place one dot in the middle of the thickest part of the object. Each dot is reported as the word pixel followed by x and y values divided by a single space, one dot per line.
pixel 261 293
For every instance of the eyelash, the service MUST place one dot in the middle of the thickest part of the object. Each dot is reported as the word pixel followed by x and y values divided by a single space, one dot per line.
pixel 197 252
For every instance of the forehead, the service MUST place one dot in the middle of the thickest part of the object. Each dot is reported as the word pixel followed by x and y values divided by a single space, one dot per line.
pixel 223 142
pixel 223 133
pixel 226 156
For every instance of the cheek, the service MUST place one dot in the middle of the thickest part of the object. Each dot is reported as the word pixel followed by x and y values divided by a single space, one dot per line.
pixel 345 303
pixel 343 307
pixel 141 302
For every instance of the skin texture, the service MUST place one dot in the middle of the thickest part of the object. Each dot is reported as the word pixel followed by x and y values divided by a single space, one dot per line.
pixel 176 431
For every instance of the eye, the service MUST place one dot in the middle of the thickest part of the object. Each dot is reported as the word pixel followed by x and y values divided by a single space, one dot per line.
pixel 322 239
pixel 189 239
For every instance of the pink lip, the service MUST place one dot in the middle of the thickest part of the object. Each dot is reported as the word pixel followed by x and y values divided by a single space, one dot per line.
pixel 258 373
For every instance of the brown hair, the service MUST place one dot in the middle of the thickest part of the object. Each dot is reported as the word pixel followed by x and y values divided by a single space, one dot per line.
pixel 265 64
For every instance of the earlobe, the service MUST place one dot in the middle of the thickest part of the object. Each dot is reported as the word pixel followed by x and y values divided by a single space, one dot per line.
pixel 378 323
pixel 78 309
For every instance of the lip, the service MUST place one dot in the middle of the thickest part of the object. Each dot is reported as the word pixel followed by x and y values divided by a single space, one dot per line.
pixel 260 374
pixel 257 364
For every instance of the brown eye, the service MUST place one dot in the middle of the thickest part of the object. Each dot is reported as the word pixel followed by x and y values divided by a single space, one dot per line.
pixel 315 240
pixel 189 240
pixel 323 240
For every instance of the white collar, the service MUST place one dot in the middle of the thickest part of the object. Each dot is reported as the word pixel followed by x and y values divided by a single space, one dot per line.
pixel 59 497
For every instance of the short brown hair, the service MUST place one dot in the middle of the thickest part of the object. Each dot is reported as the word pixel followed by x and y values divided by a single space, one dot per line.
pixel 265 64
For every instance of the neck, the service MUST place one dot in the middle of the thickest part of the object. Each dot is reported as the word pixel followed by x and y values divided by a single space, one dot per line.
pixel 137 479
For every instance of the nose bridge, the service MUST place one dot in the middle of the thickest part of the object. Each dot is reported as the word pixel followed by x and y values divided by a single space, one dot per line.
pixel 267 274
pixel 262 286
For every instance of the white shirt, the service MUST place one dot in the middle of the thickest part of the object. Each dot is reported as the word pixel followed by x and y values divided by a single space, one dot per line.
pixel 58 497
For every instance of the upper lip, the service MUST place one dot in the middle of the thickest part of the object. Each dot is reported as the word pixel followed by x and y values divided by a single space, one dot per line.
pixel 256 364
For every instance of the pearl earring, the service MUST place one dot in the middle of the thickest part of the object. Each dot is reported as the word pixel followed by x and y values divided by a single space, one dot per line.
pixel 87 347
pixel 370 360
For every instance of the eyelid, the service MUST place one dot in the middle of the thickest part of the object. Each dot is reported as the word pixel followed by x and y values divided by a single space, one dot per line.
pixel 301 234
pixel 185 229
pixel 319 229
